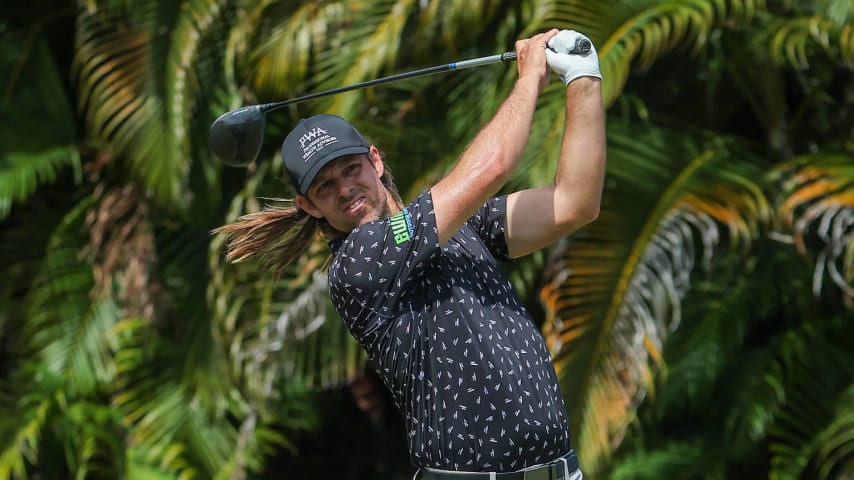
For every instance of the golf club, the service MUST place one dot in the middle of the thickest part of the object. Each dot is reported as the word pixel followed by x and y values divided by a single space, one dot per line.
pixel 236 136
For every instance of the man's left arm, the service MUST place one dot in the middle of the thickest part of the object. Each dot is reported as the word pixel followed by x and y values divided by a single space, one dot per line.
pixel 539 217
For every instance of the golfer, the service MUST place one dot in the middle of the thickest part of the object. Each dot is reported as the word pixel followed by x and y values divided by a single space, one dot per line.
pixel 419 286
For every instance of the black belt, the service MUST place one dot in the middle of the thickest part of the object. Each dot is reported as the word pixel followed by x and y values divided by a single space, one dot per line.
pixel 553 470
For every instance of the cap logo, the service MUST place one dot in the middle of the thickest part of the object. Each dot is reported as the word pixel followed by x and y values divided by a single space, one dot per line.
pixel 314 141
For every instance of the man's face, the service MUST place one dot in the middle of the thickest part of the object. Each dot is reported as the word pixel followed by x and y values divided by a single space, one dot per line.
pixel 348 192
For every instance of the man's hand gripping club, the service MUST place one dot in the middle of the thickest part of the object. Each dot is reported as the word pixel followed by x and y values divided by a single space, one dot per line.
pixel 567 61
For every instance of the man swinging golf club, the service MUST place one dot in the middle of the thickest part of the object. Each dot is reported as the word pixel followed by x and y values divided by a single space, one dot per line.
pixel 418 285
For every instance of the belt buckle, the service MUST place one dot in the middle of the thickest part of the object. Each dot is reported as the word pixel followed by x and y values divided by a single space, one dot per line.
pixel 541 473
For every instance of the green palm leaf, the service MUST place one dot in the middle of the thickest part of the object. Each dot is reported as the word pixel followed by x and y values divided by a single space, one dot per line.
pixel 663 198
pixel 161 409
pixel 138 87
pixel 92 437
pixel 804 423
pixel 835 453
pixel 311 50
pixel 66 326
pixel 66 338
pixel 739 352
pixel 823 26
pixel 35 135
pixel 679 459
pixel 21 174
pixel 24 420
pixel 118 106
pixel 636 33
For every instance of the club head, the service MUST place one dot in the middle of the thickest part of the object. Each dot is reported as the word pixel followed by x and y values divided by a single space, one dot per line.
pixel 236 136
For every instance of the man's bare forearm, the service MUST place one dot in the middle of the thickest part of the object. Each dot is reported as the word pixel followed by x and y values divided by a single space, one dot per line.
pixel 496 150
pixel 494 153
pixel 581 168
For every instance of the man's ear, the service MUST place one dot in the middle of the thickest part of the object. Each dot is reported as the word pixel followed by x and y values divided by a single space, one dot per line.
pixel 307 205
pixel 376 160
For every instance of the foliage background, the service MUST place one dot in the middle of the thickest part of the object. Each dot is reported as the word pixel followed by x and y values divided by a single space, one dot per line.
pixel 701 328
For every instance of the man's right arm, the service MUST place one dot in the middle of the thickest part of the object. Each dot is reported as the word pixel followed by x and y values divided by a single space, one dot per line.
pixel 493 155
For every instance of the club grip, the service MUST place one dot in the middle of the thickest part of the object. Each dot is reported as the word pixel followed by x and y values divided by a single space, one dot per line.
pixel 582 47
pixel 508 57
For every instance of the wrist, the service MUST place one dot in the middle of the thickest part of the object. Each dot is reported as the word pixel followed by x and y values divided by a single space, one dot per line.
pixel 529 83
pixel 584 83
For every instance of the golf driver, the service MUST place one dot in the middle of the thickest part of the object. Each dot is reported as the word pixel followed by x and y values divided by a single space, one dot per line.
pixel 236 136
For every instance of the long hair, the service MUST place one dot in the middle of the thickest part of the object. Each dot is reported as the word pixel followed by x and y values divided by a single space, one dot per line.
pixel 278 235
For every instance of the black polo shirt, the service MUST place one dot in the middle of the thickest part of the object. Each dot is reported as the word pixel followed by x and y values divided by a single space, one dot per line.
pixel 452 341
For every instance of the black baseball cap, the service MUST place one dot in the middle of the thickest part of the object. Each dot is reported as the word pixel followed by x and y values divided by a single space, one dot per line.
pixel 316 141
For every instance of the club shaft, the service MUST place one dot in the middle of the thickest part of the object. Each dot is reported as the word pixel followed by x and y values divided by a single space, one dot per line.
pixel 474 62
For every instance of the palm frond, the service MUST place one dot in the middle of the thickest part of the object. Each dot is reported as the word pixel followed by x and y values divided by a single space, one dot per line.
pixel 638 33
pixel 120 113
pixel 35 135
pixel 93 439
pixel 138 467
pixel 310 47
pixel 21 174
pixel 760 390
pixel 612 304
pixel 379 37
pixel 835 454
pixel 698 354
pixel 803 424
pixel 818 27
pixel 20 447
pixel 747 350
pixel 192 73
pixel 157 406
pixel 138 88
pixel 36 114
pixel 818 205
pixel 188 423
pixel 66 326
pixel 41 416
pixel 281 60
pixel 685 458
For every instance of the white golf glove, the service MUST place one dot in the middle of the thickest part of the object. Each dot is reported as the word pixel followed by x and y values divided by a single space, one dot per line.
pixel 571 66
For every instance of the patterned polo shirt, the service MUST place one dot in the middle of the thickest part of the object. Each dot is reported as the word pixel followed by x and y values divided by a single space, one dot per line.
pixel 451 340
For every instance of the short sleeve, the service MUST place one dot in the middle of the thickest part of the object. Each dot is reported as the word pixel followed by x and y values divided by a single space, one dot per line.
pixel 489 223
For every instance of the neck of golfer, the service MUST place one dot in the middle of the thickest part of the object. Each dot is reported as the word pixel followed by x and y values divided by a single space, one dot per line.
pixel 391 207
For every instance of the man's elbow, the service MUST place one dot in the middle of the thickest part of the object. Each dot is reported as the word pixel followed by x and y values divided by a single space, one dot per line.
pixel 575 218
pixel 588 213
pixel 574 212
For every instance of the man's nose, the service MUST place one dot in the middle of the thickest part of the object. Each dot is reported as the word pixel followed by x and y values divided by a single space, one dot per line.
pixel 345 187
